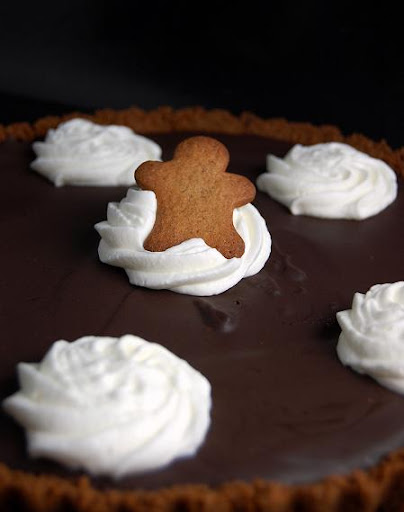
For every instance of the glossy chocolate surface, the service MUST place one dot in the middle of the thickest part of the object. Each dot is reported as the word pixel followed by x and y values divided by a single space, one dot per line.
pixel 284 408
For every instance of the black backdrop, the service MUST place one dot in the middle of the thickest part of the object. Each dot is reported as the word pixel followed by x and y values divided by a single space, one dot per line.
pixel 325 62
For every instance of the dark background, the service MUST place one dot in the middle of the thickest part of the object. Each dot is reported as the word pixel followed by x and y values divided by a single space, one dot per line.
pixel 324 62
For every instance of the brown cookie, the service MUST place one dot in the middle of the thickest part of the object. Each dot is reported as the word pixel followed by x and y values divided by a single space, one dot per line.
pixel 196 197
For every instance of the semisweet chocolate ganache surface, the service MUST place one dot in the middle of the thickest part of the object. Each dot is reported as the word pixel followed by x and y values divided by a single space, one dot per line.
pixel 284 408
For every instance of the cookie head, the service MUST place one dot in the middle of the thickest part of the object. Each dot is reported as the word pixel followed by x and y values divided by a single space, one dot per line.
pixel 196 197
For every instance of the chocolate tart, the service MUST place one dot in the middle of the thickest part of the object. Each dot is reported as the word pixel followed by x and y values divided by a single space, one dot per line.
pixel 292 429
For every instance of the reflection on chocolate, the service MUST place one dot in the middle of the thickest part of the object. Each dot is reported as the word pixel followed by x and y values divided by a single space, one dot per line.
pixel 215 317
pixel 283 406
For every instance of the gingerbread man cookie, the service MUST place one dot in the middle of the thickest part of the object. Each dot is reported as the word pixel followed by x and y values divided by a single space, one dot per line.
pixel 196 197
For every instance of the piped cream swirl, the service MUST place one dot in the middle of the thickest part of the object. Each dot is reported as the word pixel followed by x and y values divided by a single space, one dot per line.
pixel 191 267
pixel 79 152
pixel 330 180
pixel 112 406
pixel 372 337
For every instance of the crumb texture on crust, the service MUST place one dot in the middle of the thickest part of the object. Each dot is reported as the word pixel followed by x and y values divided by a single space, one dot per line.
pixel 380 488
pixel 167 119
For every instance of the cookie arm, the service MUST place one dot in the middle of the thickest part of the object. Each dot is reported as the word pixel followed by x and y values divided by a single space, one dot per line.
pixel 241 189
pixel 146 173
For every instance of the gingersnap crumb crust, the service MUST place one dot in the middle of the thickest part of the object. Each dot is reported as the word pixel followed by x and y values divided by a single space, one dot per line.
pixel 166 119
pixel 380 488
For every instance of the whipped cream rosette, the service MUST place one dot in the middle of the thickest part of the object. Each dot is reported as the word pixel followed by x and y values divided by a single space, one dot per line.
pixel 79 152
pixel 112 406
pixel 191 267
pixel 372 337
pixel 330 180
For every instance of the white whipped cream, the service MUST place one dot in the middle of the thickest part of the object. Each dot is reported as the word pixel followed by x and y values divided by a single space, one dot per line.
pixel 191 267
pixel 331 180
pixel 79 152
pixel 372 337
pixel 112 406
